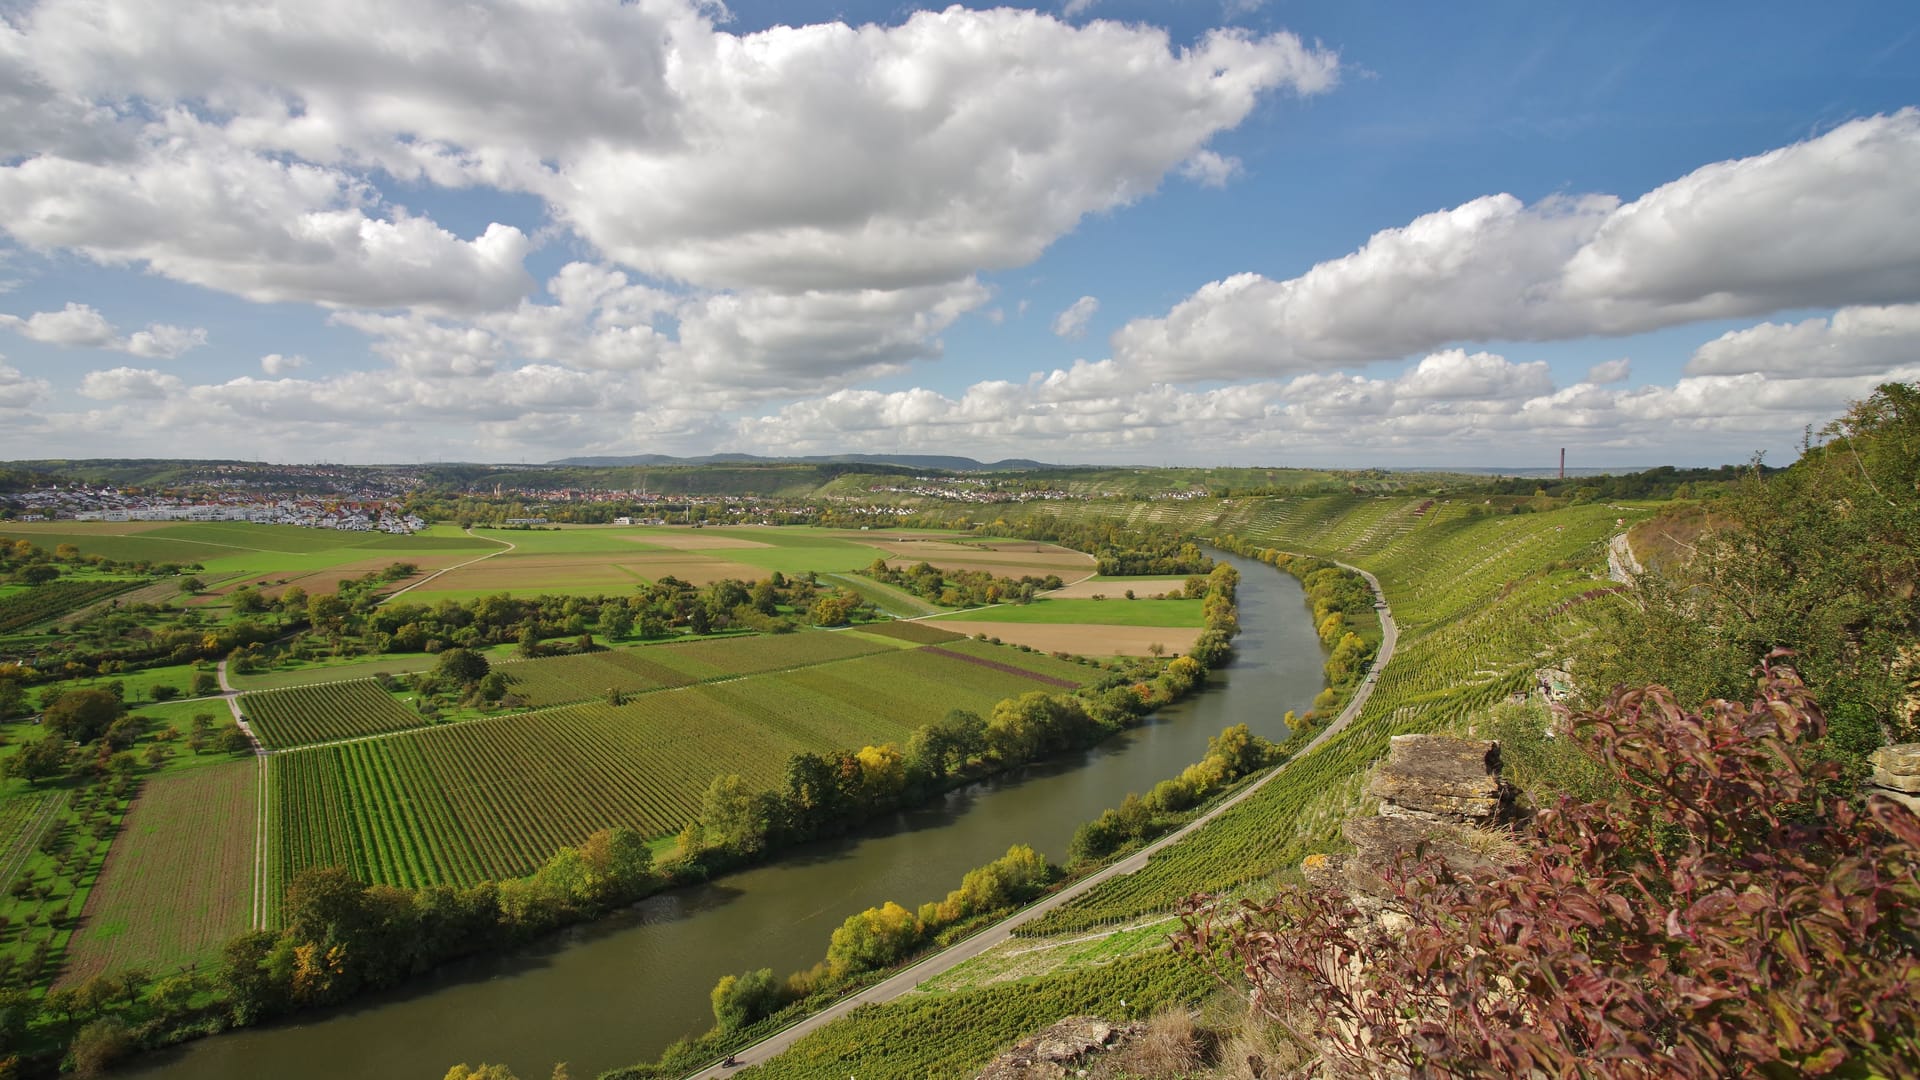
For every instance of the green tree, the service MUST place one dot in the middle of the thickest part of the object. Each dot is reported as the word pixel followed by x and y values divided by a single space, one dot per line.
pixel 739 1000
pixel 83 715
pixel 13 699
pixel 192 586
pixel 872 939
pixel 98 1046
pixel 733 816
pixel 463 666
pixel 480 1072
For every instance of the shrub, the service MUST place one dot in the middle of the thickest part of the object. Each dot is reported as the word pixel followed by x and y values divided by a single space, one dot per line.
pixel 1718 913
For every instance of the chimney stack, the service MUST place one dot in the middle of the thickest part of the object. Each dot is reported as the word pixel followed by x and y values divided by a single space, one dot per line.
pixel 1563 463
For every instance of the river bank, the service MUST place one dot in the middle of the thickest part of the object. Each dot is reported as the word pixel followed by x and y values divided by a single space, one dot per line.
pixel 620 990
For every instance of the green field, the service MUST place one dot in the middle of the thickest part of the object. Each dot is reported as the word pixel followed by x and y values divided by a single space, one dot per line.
pixel 1114 612
pixel 495 797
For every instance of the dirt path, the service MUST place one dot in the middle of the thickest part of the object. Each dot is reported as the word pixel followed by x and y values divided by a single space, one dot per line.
pixel 388 599
pixel 942 962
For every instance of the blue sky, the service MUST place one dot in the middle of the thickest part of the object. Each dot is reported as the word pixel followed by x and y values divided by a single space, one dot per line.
pixel 1239 232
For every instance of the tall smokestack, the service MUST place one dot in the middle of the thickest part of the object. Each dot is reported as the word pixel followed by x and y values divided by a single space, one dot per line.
pixel 1563 463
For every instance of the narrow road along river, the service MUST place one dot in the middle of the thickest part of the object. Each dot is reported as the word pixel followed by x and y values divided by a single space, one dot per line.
pixel 620 990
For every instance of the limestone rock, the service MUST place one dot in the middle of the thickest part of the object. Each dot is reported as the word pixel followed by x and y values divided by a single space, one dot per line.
pixel 1379 841
pixel 1056 1052
pixel 1901 760
pixel 1440 777
pixel 1897 767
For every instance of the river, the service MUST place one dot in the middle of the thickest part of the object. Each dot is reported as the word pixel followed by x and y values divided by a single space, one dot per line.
pixel 620 990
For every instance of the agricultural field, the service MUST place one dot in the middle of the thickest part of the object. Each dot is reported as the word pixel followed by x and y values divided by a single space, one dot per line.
pixel 24 608
pixel 178 883
pixel 598 559
pixel 494 797
pixel 1085 639
pixel 1110 612
pixel 325 711
pixel 1117 587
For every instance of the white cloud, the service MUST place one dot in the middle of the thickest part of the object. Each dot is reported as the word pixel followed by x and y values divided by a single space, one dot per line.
pixel 1610 371
pixel 1073 9
pixel 1821 223
pixel 1853 341
pixel 1209 169
pixel 1072 323
pixel 163 342
pixel 669 144
pixel 80 326
pixel 76 325
pixel 122 383
pixel 17 391
pixel 280 364
pixel 730 347
pixel 192 206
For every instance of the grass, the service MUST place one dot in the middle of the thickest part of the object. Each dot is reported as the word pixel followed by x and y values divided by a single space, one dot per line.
pixel 1112 612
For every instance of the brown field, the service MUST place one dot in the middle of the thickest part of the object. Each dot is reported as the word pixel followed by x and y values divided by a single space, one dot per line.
pixel 1143 587
pixel 178 881
pixel 615 573
pixel 327 578
pixel 1081 638
pixel 695 540
pixel 1008 567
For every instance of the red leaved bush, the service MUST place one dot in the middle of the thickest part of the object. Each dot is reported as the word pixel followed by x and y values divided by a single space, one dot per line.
pixel 1721 915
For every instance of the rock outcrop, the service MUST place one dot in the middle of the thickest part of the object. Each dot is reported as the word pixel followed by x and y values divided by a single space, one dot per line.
pixel 1441 778
pixel 1059 1051
pixel 1896 774
pixel 1437 793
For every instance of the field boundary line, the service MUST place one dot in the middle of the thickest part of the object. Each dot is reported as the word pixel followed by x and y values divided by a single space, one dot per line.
pixel 511 546
pixel 903 982
pixel 30 839
pixel 260 823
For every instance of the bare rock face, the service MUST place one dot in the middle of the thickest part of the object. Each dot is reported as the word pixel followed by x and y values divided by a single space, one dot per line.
pixel 1896 774
pixel 1058 1051
pixel 1441 778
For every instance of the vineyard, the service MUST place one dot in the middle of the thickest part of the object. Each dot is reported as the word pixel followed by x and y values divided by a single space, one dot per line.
pixel 179 888
pixel 1487 600
pixel 561 680
pixel 54 599
pixel 323 712
pixel 23 820
pixel 953 1034
pixel 494 798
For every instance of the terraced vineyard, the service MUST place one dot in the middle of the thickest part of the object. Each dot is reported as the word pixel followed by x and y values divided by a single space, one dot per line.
pixel 1482 601
pixel 301 715
pixel 493 798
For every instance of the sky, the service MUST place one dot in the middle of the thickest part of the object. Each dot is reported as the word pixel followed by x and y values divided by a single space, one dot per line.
pixel 1198 232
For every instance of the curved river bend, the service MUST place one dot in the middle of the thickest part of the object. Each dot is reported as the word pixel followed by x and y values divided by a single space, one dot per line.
pixel 620 990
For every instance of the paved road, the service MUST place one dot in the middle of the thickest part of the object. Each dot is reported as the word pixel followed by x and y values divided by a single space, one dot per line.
pixel 940 962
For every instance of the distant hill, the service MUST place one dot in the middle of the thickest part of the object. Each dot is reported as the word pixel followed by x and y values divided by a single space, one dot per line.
pixel 937 462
